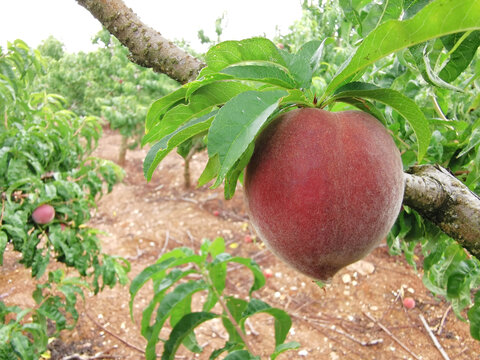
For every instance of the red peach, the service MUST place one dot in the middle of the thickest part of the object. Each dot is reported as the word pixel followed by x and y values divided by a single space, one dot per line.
pixel 43 214
pixel 323 189
pixel 409 303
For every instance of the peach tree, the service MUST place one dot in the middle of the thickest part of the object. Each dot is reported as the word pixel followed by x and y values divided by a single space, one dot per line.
pixel 104 83
pixel 49 183
pixel 413 65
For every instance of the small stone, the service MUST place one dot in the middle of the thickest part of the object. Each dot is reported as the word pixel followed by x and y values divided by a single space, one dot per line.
pixel 362 267
pixel 334 356
pixel 303 353
pixel 346 278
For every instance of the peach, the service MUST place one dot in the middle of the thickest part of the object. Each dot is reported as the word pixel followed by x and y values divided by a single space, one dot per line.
pixel 43 214
pixel 323 189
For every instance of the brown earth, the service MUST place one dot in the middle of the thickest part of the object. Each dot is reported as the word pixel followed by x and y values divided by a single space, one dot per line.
pixel 358 316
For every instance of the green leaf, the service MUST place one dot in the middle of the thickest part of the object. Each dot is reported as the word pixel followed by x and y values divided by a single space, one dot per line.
pixel 241 355
pixel 305 62
pixel 237 124
pixel 161 149
pixel 258 277
pixel 234 52
pixel 474 317
pixel 236 308
pixel 439 18
pixel 201 102
pixel 282 319
pixel 178 258
pixel 171 303
pixel 3 245
pixel 412 7
pixel 184 327
pixel 162 105
pixel 210 171
pixel 462 56
pixel 265 73
pixel 235 172
pixel 21 346
pixel 399 102
pixel 284 347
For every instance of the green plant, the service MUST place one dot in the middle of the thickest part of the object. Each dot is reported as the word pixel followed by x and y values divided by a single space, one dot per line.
pixel 46 165
pixel 177 277
pixel 106 84
pixel 415 69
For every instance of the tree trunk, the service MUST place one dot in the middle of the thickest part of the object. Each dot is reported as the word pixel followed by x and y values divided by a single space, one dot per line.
pixel 430 190
pixel 122 154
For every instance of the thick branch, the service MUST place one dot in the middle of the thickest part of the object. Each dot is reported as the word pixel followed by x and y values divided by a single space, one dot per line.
pixel 147 46
pixel 444 200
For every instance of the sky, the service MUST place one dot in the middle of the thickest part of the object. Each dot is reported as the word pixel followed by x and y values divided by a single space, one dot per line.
pixel 35 20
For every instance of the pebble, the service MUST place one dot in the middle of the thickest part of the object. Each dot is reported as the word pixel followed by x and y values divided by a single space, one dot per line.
pixel 303 353
pixel 346 278
pixel 362 267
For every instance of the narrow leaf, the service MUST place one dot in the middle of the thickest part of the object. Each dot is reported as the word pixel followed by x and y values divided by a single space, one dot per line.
pixel 265 73
pixel 237 124
pixel 439 18
pixel 210 171
pixel 202 101
pixel 461 56
pixel 3 245
pixel 186 325
pixel 162 105
pixel 399 102
pixel 181 295
pixel 161 149
pixel 284 347
pixel 233 52
pixel 241 355
pixel 259 278
pixel 283 322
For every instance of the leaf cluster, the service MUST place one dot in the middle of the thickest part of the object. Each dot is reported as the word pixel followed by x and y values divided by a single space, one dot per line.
pixel 46 158
pixel 178 277
pixel 412 64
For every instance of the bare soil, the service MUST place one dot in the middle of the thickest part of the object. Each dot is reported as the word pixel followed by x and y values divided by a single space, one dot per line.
pixel 358 316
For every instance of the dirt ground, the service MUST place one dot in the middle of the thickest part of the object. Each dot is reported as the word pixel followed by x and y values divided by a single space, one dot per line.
pixel 358 316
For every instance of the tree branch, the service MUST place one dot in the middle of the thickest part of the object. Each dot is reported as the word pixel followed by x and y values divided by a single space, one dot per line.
pixel 147 46
pixel 430 190
pixel 440 197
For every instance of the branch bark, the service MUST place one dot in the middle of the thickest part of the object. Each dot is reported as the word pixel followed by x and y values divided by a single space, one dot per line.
pixel 440 197
pixel 430 190
pixel 147 46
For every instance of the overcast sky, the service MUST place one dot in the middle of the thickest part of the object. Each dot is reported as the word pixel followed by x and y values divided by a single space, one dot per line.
pixel 34 20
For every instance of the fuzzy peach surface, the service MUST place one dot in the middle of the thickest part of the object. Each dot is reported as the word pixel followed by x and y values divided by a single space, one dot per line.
pixel 323 189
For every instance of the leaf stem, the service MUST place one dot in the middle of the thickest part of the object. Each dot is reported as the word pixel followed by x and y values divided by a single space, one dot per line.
pixel 438 109
pixel 221 300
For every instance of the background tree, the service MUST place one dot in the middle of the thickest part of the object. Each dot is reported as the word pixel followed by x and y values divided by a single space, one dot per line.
pixel 104 83
pixel 49 182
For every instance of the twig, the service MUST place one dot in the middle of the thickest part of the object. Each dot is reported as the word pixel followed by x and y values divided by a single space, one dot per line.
pixel 389 333
pixel 112 334
pixel 167 238
pixel 190 236
pixel 351 337
pixel 95 357
pixel 252 329
pixel 434 339
pixel 442 323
